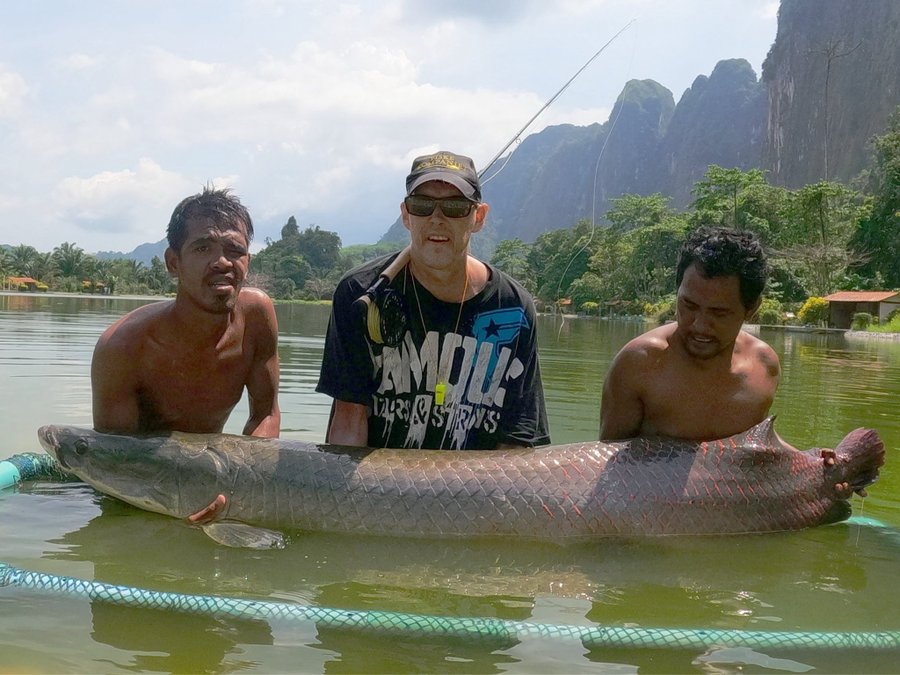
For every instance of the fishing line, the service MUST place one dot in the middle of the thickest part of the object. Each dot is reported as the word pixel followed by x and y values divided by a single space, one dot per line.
pixel 555 96
pixel 381 307
pixel 593 194
pixel 862 508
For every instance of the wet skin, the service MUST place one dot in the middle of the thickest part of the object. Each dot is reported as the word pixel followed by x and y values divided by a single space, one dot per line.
pixel 183 365
pixel 700 378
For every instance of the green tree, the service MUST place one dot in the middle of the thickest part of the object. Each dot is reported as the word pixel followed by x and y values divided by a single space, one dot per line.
pixel 295 268
pixel 22 260
pixel 559 257
pixel 654 255
pixel 70 260
pixel 320 248
pixel 609 265
pixel 821 220
pixel 878 238
pixel 511 256
pixel 586 292
pixel 720 197
pixel 290 229
pixel 631 211
pixel 157 277
pixel 5 265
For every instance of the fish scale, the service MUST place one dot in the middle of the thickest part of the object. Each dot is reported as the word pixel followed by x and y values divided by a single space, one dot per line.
pixel 750 482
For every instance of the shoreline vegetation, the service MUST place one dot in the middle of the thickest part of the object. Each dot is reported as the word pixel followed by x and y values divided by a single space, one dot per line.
pixel 890 331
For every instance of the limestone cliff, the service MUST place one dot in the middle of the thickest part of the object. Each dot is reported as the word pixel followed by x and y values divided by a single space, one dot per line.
pixel 833 78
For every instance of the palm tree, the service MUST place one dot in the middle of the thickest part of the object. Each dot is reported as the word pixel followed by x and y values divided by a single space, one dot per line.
pixel 70 260
pixel 5 265
pixel 21 260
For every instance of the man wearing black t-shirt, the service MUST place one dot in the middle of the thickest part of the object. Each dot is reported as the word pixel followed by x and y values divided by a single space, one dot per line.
pixel 461 369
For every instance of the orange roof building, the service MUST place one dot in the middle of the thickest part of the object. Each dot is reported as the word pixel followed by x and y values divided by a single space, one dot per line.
pixel 14 283
pixel 844 304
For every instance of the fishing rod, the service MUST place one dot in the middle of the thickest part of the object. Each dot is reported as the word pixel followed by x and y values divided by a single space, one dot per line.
pixel 552 99
pixel 383 312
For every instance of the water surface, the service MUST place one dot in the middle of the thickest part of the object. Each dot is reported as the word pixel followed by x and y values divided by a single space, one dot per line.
pixel 837 578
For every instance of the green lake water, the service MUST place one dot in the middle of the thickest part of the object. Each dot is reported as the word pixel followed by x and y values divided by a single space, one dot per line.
pixel 836 578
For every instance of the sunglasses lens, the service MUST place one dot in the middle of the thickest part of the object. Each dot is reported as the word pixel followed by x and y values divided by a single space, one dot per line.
pixel 419 205
pixel 456 208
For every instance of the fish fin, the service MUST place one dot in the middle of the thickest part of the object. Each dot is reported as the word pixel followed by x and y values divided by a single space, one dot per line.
pixel 241 535
pixel 765 432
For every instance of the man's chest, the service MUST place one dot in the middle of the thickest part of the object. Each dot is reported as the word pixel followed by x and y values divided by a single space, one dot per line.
pixel 708 405
pixel 193 384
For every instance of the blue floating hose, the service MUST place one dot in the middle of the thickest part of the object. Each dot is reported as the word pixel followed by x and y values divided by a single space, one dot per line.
pixel 30 466
pixel 494 631
pixel 483 630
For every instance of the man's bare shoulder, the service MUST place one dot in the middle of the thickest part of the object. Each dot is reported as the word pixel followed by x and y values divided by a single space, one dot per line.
pixel 255 300
pixel 255 296
pixel 128 334
pixel 759 351
pixel 258 312
pixel 640 356
pixel 654 342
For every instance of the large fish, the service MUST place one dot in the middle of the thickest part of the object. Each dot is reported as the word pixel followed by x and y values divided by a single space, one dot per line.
pixel 750 482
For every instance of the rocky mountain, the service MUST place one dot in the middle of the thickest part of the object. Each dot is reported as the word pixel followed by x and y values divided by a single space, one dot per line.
pixel 143 253
pixel 830 82
pixel 833 78
pixel 565 173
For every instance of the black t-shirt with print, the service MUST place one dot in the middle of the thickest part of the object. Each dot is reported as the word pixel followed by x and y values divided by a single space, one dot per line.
pixel 487 370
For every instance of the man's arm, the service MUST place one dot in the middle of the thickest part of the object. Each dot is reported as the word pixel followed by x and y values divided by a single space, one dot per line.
pixel 349 424
pixel 264 375
pixel 346 369
pixel 621 408
pixel 113 388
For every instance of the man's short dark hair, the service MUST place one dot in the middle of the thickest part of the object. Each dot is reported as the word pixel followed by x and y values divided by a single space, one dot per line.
pixel 219 206
pixel 722 252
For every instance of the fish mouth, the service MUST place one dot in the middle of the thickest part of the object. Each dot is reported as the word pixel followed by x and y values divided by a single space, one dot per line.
pixel 48 441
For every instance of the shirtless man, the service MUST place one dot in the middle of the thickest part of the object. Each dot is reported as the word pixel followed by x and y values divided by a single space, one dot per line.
pixel 182 365
pixel 702 377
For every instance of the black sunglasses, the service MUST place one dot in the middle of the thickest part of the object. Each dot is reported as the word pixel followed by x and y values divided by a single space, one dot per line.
pixel 452 207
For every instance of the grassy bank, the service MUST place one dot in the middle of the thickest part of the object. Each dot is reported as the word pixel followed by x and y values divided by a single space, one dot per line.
pixel 892 326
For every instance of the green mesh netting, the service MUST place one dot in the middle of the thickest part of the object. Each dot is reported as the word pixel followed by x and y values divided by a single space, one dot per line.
pixel 493 631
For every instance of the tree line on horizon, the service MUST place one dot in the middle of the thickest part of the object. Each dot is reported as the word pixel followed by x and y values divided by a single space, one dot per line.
pixel 821 238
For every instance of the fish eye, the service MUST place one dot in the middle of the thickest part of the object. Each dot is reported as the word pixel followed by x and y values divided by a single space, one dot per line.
pixel 81 446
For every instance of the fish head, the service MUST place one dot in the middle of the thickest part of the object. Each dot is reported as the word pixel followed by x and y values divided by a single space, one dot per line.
pixel 145 471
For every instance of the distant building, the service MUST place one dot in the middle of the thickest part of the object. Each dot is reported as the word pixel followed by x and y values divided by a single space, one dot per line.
pixel 23 284
pixel 843 305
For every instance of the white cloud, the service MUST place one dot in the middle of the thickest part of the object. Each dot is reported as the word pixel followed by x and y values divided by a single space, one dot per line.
pixel 13 90
pixel 134 201
pixel 768 10
pixel 79 61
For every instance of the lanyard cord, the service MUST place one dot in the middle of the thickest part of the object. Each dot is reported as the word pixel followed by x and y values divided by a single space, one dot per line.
pixel 440 389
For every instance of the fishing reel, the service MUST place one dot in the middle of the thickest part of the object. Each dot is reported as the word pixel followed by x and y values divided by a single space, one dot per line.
pixel 383 309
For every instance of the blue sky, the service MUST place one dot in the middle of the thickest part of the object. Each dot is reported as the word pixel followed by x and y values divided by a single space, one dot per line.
pixel 112 111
